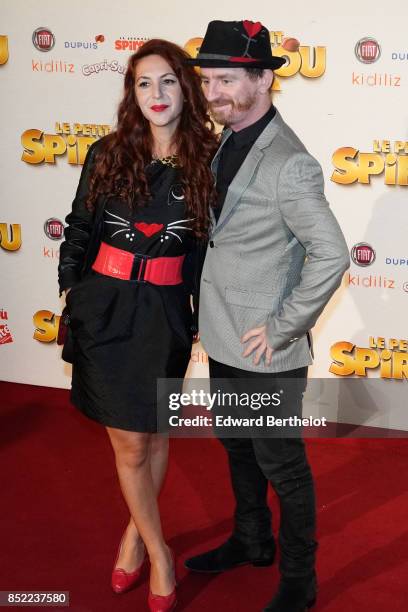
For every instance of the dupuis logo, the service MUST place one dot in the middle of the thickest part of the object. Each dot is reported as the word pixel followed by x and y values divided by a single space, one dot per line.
pixel 85 45
pixel 396 261
pixel 399 56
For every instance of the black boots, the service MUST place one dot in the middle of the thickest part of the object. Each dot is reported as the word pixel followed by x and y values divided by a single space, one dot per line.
pixel 294 595
pixel 232 554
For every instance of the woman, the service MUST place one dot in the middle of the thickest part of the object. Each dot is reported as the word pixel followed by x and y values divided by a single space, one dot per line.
pixel 141 206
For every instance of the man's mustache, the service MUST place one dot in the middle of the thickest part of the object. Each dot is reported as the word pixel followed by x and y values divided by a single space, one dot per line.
pixel 220 102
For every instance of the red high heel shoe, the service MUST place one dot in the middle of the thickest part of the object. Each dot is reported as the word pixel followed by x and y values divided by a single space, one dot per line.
pixel 123 581
pixel 164 603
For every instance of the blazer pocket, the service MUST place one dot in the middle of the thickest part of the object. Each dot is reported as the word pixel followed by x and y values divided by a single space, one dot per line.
pixel 291 244
pixel 253 202
pixel 251 299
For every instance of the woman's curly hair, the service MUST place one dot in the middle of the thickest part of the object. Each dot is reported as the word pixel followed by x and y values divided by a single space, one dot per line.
pixel 123 155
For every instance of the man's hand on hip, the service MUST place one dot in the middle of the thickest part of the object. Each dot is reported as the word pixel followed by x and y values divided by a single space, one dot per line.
pixel 259 344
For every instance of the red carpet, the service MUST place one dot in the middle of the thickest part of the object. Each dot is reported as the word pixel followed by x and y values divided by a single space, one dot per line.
pixel 63 515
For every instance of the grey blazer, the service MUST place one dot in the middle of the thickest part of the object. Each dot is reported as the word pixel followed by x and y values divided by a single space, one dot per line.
pixel 276 254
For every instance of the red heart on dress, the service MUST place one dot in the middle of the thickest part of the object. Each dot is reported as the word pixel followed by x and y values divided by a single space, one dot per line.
pixel 148 229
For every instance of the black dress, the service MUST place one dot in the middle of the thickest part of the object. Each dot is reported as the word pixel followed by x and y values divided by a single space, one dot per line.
pixel 128 334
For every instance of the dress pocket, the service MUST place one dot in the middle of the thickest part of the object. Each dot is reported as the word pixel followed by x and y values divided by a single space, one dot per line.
pixel 180 318
pixel 91 305
pixel 73 290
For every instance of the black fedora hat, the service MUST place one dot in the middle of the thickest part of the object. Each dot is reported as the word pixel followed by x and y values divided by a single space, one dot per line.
pixel 236 44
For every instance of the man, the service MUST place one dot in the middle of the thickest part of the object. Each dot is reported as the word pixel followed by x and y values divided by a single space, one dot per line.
pixel 276 255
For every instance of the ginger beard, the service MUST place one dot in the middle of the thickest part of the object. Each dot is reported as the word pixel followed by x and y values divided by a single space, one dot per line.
pixel 226 111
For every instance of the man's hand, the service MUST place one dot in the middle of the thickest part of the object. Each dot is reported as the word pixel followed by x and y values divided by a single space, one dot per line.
pixel 259 343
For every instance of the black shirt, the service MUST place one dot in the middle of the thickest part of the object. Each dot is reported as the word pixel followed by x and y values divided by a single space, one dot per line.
pixel 234 153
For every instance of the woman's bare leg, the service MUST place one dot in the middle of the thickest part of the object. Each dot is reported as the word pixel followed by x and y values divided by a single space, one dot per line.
pixel 133 550
pixel 138 456
pixel 159 453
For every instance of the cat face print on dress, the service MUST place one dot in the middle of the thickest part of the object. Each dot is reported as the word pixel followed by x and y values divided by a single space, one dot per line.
pixel 129 228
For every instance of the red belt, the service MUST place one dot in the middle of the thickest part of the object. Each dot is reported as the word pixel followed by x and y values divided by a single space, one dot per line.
pixel 134 266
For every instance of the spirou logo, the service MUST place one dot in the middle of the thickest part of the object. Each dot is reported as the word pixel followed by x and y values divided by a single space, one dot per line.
pixel 389 357
pixel 388 158
pixel 10 236
pixel 4 53
pixel 129 43
pixel 72 140
pixel 46 325
pixel 309 61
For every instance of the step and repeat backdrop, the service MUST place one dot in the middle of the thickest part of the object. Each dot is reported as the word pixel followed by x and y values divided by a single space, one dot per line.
pixel 344 92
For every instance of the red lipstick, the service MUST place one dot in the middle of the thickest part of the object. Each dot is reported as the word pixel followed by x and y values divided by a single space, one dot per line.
pixel 158 108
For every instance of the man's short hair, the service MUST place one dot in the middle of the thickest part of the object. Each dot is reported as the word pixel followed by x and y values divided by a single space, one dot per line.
pixel 254 73
pixel 257 73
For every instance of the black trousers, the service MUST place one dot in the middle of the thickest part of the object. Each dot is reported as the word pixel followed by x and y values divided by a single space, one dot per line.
pixel 255 461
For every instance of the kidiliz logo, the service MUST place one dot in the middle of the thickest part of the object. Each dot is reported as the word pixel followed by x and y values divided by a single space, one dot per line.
pixel 369 282
pixel 376 79
pixel 52 67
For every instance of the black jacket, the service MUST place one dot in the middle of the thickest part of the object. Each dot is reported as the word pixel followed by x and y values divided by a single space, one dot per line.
pixel 83 237
pixel 82 233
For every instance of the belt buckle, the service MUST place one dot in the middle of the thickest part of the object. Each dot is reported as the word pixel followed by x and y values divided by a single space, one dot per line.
pixel 139 267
